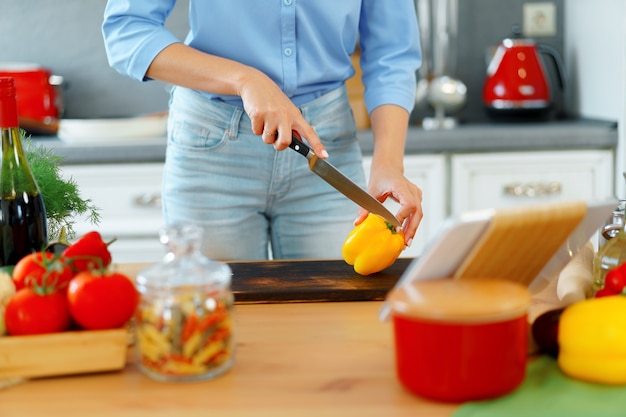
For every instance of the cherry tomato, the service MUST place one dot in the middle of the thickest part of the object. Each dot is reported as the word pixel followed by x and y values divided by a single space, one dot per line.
pixel 615 280
pixel 37 311
pixel 42 268
pixel 604 292
pixel 102 301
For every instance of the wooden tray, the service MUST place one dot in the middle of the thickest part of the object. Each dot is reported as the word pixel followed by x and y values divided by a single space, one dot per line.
pixel 64 353
pixel 310 281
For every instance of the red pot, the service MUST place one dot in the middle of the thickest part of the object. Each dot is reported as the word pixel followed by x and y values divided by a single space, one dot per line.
pixel 460 340
pixel 38 91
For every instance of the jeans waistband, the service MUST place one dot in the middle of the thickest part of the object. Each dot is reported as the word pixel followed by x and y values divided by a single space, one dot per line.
pixel 232 117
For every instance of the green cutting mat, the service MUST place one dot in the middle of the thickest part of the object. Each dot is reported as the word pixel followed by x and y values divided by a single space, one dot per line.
pixel 546 391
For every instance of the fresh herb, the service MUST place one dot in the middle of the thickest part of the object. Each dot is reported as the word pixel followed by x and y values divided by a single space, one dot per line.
pixel 61 196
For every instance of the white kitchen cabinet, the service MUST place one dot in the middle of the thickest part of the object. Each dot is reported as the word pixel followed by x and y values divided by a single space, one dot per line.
pixel 497 180
pixel 128 195
pixel 429 173
pixel 128 198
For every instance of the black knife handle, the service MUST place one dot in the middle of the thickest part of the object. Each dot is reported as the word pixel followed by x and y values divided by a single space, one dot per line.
pixel 298 145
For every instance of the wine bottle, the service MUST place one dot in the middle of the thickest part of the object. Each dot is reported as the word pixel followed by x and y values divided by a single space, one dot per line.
pixel 23 222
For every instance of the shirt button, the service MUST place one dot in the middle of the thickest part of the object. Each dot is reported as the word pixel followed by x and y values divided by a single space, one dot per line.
pixel 288 51
pixel 287 2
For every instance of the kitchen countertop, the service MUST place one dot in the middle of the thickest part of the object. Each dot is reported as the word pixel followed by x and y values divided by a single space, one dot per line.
pixel 488 137
pixel 292 359
pixel 304 359
pixel 294 356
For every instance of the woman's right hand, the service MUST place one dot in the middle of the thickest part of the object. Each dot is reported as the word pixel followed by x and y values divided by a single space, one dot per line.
pixel 274 116
pixel 269 108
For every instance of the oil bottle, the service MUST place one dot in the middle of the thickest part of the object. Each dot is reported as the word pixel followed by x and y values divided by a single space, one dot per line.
pixel 611 247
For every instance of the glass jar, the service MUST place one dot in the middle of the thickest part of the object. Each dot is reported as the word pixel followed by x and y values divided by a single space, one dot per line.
pixel 184 323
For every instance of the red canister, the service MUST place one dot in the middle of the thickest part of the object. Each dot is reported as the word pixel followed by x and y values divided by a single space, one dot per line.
pixel 38 96
pixel 460 340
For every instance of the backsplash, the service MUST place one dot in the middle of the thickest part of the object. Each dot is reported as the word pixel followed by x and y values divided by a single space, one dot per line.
pixel 66 37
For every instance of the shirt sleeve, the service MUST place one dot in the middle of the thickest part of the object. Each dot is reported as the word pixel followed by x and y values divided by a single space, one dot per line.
pixel 390 53
pixel 134 33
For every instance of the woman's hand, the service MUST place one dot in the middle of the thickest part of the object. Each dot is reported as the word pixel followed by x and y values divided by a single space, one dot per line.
pixel 274 116
pixel 391 183
pixel 387 180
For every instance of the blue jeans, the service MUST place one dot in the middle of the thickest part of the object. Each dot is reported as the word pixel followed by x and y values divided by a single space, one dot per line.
pixel 249 197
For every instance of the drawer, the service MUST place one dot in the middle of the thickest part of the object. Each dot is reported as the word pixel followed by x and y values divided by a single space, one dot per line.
pixel 498 180
pixel 127 196
pixel 128 249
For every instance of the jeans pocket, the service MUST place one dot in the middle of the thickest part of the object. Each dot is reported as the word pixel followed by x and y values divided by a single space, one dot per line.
pixel 337 128
pixel 193 135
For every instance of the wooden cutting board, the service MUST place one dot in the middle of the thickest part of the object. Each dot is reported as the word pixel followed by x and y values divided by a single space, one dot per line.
pixel 310 281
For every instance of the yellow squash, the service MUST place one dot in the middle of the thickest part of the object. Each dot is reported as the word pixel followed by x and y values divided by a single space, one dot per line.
pixel 592 340
pixel 373 245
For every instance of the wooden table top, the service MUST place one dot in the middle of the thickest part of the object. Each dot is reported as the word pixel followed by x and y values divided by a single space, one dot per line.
pixel 302 359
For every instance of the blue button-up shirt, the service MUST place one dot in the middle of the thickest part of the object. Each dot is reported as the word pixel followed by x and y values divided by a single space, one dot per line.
pixel 303 45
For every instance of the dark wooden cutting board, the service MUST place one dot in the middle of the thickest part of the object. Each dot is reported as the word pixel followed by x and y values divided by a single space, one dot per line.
pixel 310 281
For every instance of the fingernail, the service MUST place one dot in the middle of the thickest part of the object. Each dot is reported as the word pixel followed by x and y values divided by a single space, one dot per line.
pixel 409 243
pixel 324 153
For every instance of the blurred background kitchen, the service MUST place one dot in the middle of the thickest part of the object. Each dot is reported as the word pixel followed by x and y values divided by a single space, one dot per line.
pixel 66 37
pixel 589 36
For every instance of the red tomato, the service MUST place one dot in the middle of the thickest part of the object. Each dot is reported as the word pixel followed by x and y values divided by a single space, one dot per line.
pixel 102 301
pixel 604 292
pixel 36 311
pixel 41 268
pixel 615 280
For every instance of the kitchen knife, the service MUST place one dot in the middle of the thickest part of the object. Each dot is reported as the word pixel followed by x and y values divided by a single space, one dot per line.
pixel 343 184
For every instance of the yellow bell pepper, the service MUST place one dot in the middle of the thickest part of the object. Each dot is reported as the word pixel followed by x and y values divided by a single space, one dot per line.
pixel 373 245
pixel 592 340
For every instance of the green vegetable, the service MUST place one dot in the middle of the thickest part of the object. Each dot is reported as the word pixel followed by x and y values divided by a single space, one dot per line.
pixel 61 196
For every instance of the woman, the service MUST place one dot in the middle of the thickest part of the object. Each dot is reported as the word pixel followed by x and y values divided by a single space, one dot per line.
pixel 248 74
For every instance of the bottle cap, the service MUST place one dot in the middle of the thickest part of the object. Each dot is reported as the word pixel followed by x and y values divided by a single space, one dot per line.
pixel 7 87
pixel 8 103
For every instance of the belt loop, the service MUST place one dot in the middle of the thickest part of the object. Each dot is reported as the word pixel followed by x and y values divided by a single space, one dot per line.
pixel 234 123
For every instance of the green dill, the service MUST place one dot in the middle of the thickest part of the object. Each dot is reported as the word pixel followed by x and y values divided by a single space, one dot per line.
pixel 60 196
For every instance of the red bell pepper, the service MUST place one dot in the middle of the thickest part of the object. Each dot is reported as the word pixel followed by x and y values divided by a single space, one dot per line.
pixel 89 252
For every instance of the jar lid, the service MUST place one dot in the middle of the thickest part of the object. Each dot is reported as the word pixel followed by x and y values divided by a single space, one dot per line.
pixel 184 265
pixel 464 301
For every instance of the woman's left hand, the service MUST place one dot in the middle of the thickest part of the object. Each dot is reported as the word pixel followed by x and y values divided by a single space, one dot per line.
pixel 391 183
pixel 387 180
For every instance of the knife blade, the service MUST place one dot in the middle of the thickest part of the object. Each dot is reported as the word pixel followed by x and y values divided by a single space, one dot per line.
pixel 340 182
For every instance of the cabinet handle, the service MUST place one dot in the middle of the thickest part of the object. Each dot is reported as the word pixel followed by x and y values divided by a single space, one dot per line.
pixel 148 200
pixel 533 189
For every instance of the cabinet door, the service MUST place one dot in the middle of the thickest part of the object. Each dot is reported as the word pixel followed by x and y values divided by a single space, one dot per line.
pixel 428 173
pixel 128 199
pixel 499 180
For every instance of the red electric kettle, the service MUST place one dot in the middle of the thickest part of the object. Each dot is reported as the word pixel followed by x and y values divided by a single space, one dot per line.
pixel 517 83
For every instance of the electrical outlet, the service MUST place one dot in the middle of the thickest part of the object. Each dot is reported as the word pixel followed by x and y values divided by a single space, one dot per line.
pixel 539 19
